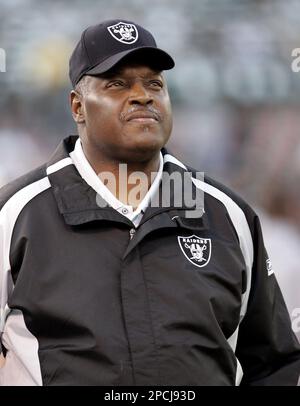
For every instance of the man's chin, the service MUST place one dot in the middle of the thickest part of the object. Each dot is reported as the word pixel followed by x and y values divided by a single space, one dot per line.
pixel 143 144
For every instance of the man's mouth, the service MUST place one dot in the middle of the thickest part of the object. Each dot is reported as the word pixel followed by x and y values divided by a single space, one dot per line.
pixel 142 117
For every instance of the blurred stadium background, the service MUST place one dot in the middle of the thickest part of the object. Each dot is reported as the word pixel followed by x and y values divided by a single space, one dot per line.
pixel 236 100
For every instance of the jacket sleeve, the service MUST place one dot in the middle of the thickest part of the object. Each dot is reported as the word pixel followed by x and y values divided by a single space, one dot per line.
pixel 3 285
pixel 1 290
pixel 267 348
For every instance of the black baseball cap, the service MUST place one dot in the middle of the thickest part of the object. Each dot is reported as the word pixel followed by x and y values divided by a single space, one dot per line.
pixel 103 45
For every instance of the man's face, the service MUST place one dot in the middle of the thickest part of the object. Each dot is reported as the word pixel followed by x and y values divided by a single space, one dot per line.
pixel 127 113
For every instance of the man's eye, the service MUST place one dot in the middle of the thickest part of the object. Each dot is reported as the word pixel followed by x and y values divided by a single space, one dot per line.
pixel 156 83
pixel 115 83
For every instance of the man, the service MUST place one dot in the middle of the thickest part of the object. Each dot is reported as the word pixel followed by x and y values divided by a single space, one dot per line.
pixel 106 286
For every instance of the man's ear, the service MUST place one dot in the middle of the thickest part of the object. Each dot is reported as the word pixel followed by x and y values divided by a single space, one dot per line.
pixel 76 104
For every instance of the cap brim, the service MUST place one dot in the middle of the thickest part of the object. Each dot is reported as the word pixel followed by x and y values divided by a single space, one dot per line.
pixel 154 57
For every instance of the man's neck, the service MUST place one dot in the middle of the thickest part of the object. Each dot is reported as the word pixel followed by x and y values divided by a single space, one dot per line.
pixel 128 181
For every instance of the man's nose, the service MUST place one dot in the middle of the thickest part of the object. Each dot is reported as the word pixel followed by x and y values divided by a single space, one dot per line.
pixel 139 95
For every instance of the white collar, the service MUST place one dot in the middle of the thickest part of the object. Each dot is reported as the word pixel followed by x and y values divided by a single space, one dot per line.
pixel 89 175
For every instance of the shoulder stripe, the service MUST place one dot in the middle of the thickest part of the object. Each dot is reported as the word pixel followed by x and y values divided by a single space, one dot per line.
pixel 171 158
pixel 10 212
pixel 59 165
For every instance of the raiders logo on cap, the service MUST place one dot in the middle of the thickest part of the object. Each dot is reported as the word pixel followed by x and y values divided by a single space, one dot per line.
pixel 124 32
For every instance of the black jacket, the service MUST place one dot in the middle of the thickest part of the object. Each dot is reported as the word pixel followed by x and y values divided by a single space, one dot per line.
pixel 86 299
